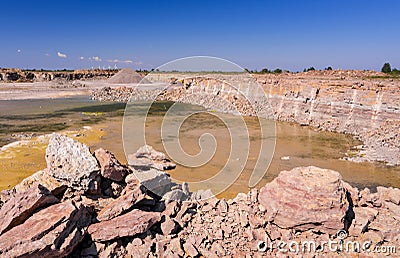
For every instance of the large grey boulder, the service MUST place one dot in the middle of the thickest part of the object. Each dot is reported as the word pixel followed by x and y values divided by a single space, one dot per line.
pixel 71 163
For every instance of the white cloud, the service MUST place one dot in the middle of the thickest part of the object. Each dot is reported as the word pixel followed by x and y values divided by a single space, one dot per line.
pixel 96 58
pixel 59 54
pixel 81 58
pixel 139 63
pixel 47 54
pixel 120 61
pixel 19 50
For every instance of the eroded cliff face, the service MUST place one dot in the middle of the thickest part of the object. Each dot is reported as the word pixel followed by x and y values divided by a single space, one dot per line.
pixel 349 105
pixel 17 75
pixel 359 106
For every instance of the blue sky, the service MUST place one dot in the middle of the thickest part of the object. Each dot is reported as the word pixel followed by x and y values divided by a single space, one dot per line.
pixel 348 34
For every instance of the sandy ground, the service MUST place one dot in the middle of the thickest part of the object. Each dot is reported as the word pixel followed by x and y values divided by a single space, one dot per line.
pixel 43 90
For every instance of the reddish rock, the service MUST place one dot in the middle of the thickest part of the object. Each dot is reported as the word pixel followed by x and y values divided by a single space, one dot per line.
pixel 306 198
pixel 389 194
pixel 51 232
pixel 176 247
pixel 129 224
pixel 112 250
pixel 169 226
pixel 16 210
pixel 109 166
pixel 363 217
pixel 41 177
pixel 137 248
pixel 171 209
pixel 121 204
pixel 190 249
pixel 387 224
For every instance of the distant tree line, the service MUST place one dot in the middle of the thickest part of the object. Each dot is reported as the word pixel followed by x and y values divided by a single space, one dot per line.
pixel 387 68
pixel 265 70
pixel 278 70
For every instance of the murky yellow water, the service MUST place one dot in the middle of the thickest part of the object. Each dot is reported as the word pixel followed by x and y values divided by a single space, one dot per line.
pixel 301 146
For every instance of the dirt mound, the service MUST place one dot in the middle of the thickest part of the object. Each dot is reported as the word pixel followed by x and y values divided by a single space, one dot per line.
pixel 126 75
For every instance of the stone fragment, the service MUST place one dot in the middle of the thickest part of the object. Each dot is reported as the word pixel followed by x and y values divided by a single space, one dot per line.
pixel 146 157
pixel 121 204
pixel 156 181
pixel 190 249
pixel 223 206
pixel 129 224
pixel 176 247
pixel 169 226
pixel 389 194
pixel 41 177
pixel 171 209
pixel 175 195
pixel 52 232
pixel 113 190
pixel 363 217
pixel 138 248
pixel 17 209
pixel 110 167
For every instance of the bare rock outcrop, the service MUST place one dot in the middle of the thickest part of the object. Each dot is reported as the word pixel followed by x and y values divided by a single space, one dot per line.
pixel 362 103
pixel 18 75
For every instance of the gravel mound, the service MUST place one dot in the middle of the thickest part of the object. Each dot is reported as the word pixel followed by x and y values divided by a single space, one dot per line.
pixel 125 76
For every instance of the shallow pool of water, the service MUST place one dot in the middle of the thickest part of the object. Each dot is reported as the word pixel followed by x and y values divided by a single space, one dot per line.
pixel 295 145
